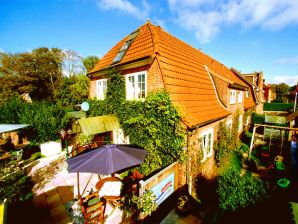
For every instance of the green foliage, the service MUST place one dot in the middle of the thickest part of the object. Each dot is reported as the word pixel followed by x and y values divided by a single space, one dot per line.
pixel 36 73
pixel 15 185
pixel 153 124
pixel 116 94
pixel 85 139
pixel 258 118
pixel 72 90
pixel 236 191
pixel 44 118
pixel 282 91
pixel 278 106
pixel 90 62
pixel 227 141
pixel 146 203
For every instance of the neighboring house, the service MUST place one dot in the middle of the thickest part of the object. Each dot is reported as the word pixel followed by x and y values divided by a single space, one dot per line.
pixel 205 90
pixel 269 93
pixel 257 80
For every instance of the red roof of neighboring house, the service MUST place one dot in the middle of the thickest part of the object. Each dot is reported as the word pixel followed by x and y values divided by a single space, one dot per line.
pixel 184 71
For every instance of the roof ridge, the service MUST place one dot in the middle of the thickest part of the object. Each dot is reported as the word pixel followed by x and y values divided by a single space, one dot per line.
pixel 154 37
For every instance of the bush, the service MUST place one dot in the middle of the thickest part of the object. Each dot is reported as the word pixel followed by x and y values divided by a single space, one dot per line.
pixel 15 185
pixel 258 118
pixel 278 106
pixel 44 119
pixel 237 191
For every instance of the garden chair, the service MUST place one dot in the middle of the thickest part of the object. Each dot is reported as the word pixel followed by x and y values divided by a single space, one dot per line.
pixel 109 189
pixel 92 208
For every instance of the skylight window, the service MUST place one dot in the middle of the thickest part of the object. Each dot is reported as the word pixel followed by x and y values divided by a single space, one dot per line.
pixel 125 47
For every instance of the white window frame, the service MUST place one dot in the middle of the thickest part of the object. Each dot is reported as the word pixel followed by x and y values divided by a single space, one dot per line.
pixel 247 93
pixel 240 96
pixel 101 88
pixel 132 90
pixel 232 96
pixel 206 138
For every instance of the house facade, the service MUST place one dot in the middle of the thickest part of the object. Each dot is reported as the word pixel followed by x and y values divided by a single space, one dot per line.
pixel 205 91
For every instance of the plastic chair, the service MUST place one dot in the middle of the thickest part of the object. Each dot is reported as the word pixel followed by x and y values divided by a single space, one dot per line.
pixel 278 159
pixel 283 183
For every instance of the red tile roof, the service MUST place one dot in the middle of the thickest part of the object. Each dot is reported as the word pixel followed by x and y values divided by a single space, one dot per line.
pixel 184 71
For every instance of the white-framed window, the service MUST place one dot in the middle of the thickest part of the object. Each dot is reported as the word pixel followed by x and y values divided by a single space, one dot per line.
pixel 232 96
pixel 206 143
pixel 240 96
pixel 240 123
pixel 136 85
pixel 247 93
pixel 101 88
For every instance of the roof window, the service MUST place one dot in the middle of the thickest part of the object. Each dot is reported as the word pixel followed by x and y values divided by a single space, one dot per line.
pixel 125 46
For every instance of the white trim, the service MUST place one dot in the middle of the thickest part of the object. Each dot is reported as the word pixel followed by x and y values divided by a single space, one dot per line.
pixel 240 96
pixel 131 93
pixel 233 96
pixel 214 88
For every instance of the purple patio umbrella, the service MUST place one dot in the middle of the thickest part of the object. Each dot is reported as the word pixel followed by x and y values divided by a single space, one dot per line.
pixel 107 159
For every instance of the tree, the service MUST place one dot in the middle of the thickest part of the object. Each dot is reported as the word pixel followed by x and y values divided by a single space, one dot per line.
pixel 282 91
pixel 72 63
pixel 72 90
pixel 36 73
pixel 90 62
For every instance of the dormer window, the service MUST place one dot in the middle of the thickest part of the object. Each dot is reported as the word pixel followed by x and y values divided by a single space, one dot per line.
pixel 247 94
pixel 125 47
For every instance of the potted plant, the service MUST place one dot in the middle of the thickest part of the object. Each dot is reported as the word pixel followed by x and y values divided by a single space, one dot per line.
pixel 145 204
pixel 183 204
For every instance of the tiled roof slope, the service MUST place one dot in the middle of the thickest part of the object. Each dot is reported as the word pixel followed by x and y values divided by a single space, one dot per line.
pixel 184 72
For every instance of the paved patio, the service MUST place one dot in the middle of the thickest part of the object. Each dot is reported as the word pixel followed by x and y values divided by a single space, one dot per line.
pixel 51 196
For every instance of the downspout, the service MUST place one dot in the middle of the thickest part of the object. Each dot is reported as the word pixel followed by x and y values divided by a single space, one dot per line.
pixel 188 175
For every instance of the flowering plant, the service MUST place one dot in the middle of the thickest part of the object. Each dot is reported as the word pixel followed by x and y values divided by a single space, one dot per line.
pixel 146 203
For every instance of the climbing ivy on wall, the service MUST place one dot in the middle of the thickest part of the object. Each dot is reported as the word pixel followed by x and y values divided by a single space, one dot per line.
pixel 153 124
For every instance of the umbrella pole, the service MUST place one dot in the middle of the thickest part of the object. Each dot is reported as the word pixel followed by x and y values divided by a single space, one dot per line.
pixel 78 185
pixel 87 184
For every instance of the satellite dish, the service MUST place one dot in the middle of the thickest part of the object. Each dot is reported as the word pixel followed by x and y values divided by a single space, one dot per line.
pixel 85 106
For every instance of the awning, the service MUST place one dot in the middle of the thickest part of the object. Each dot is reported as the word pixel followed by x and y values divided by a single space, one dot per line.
pixel 11 127
pixel 100 124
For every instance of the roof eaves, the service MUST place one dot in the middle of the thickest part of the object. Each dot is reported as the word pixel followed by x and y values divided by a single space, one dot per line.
pixel 127 65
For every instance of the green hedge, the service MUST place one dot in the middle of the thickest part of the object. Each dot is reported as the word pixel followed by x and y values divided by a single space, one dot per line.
pixel 44 119
pixel 278 106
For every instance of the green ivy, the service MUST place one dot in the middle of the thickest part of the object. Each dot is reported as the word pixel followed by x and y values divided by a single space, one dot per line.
pixel 153 124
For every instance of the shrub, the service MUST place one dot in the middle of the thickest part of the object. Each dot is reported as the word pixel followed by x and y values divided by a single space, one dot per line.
pixel 258 118
pixel 278 106
pixel 236 191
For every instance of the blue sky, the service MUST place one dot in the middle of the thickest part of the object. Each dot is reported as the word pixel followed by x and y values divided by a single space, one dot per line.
pixel 249 35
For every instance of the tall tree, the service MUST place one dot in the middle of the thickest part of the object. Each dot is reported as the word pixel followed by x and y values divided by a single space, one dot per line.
pixel 72 63
pixel 36 73
pixel 90 62
pixel 282 91
pixel 72 90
